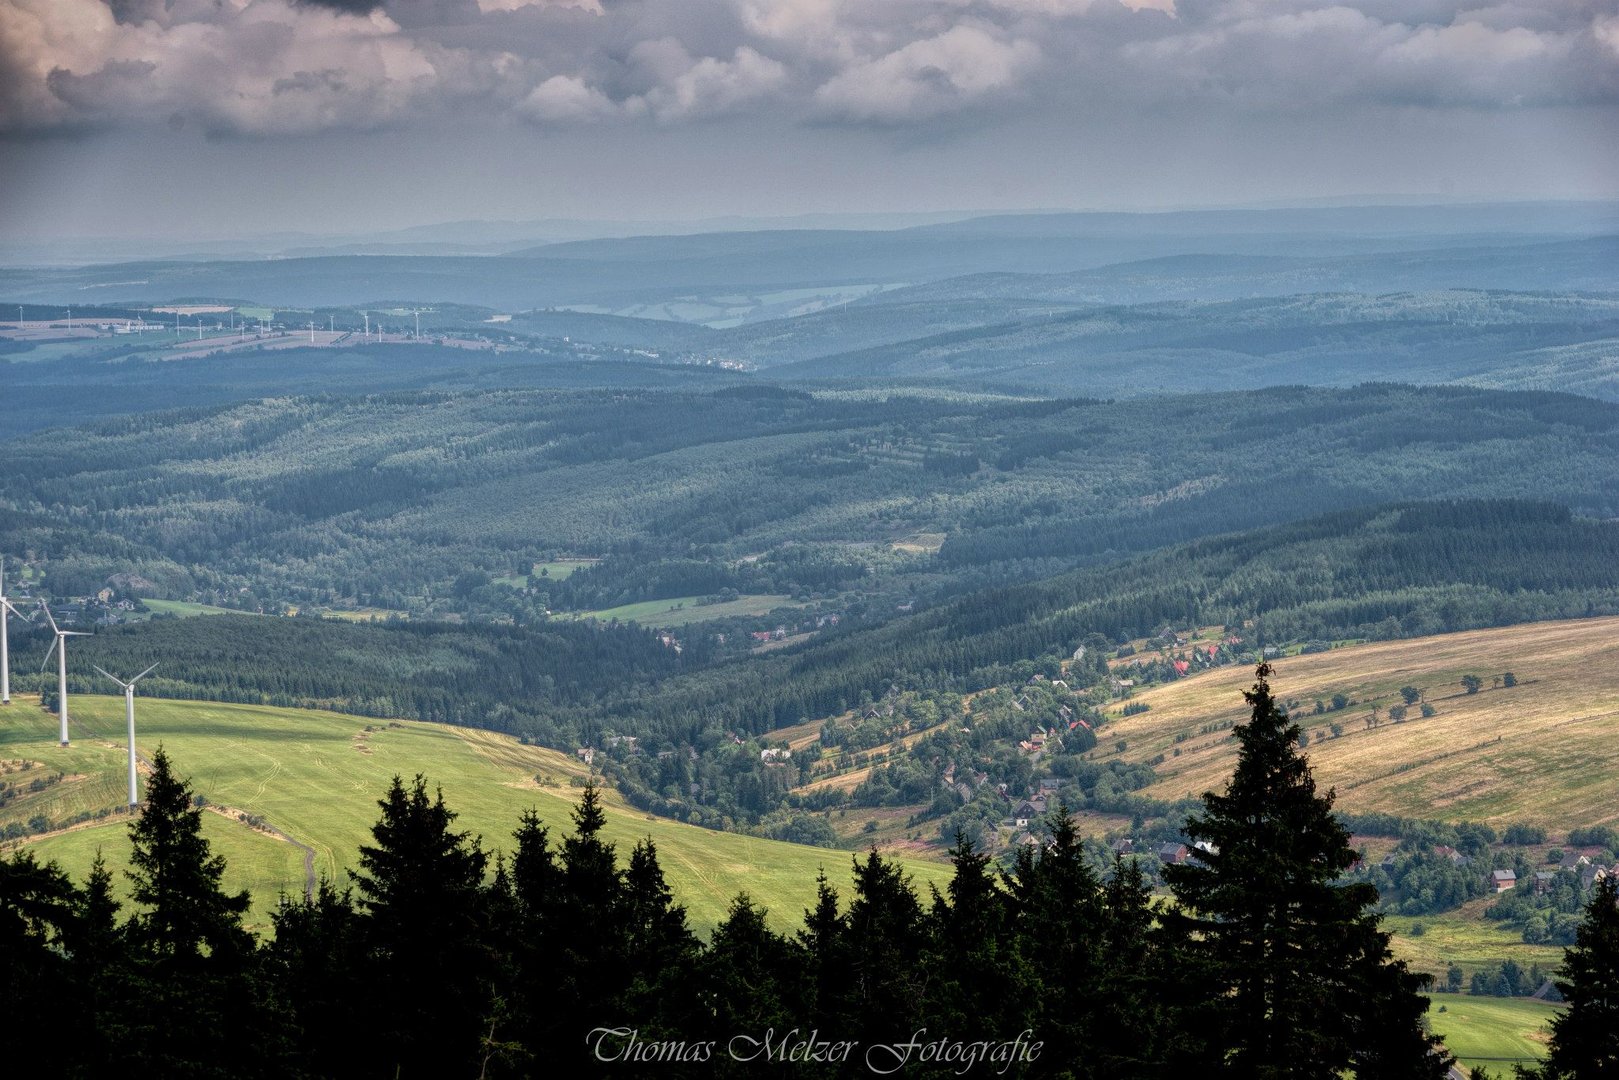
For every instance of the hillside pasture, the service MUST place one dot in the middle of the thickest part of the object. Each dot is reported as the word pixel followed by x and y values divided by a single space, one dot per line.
pixel 1492 1033
pixel 1543 752
pixel 682 610
pixel 317 776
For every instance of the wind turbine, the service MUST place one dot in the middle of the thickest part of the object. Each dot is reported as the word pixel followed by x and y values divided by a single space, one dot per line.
pixel 5 649
pixel 129 714
pixel 59 646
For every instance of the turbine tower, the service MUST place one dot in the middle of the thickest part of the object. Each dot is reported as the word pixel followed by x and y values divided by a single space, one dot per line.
pixel 5 648
pixel 129 715
pixel 59 646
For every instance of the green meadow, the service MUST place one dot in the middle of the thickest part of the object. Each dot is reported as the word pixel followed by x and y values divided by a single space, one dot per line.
pixel 1492 1033
pixel 690 609
pixel 185 608
pixel 317 776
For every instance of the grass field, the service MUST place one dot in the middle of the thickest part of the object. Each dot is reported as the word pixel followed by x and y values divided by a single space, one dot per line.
pixel 1544 752
pixel 317 776
pixel 185 608
pixel 555 570
pixel 689 609
pixel 1494 1033
pixel 369 614
pixel 1465 938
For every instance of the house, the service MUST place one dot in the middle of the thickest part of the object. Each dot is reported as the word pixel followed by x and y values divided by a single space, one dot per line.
pixel 1050 783
pixel 1573 860
pixel 1123 847
pixel 964 791
pixel 775 755
pixel 1026 809
pixel 1544 880
pixel 1504 880
pixel 1039 804
pixel 1445 851
pixel 1173 854
pixel 586 754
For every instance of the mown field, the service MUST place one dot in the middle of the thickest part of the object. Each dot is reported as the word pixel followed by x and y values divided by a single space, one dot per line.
pixel 1544 751
pixel 317 777
pixel 1492 1033
pixel 690 609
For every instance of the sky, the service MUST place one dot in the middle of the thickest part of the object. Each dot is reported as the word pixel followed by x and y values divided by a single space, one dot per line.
pixel 220 117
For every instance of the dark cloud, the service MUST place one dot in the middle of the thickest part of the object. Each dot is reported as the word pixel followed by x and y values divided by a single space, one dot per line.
pixel 353 7
pixel 271 67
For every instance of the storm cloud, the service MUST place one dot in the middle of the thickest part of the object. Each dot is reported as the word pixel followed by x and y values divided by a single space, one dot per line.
pixel 267 68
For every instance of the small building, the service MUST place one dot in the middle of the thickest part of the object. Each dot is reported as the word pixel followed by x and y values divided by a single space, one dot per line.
pixel 1124 846
pixel 1504 880
pixel 1172 854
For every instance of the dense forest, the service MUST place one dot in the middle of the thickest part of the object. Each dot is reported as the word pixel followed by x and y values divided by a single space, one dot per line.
pixel 387 501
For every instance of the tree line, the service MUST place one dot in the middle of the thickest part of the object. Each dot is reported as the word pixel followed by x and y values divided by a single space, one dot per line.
pixel 434 960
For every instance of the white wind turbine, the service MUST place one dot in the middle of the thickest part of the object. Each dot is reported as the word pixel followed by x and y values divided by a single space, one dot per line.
pixel 5 647
pixel 129 714
pixel 59 646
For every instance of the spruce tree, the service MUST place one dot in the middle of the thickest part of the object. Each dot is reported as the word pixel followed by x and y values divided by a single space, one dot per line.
pixel 36 918
pixel 592 969
pixel 884 940
pixel 1585 1036
pixel 194 1006
pixel 420 888
pixel 1299 968
pixel 176 879
pixel 978 983
pixel 1057 898
pixel 318 968
pixel 747 980
pixel 823 944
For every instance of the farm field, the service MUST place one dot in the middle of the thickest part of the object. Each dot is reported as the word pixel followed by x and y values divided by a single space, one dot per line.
pixel 689 609
pixel 1542 752
pixel 317 776
pixel 1493 1033
pixel 1465 938
pixel 555 570
pixel 184 608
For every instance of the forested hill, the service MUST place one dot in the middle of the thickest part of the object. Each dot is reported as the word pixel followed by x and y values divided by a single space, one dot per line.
pixel 389 501
pixel 1386 571
pixel 1379 572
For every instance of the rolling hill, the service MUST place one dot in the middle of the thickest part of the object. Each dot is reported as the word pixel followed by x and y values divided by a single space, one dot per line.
pixel 315 778
pixel 1544 751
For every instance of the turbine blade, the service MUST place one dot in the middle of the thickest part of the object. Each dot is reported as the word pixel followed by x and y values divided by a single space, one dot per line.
pixel 108 674
pixel 54 643
pixel 142 675
pixel 43 607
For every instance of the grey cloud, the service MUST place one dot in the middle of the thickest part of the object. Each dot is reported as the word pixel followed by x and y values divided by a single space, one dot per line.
pixel 269 67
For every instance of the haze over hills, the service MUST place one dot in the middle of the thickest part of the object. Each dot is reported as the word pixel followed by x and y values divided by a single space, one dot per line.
pixel 619 274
